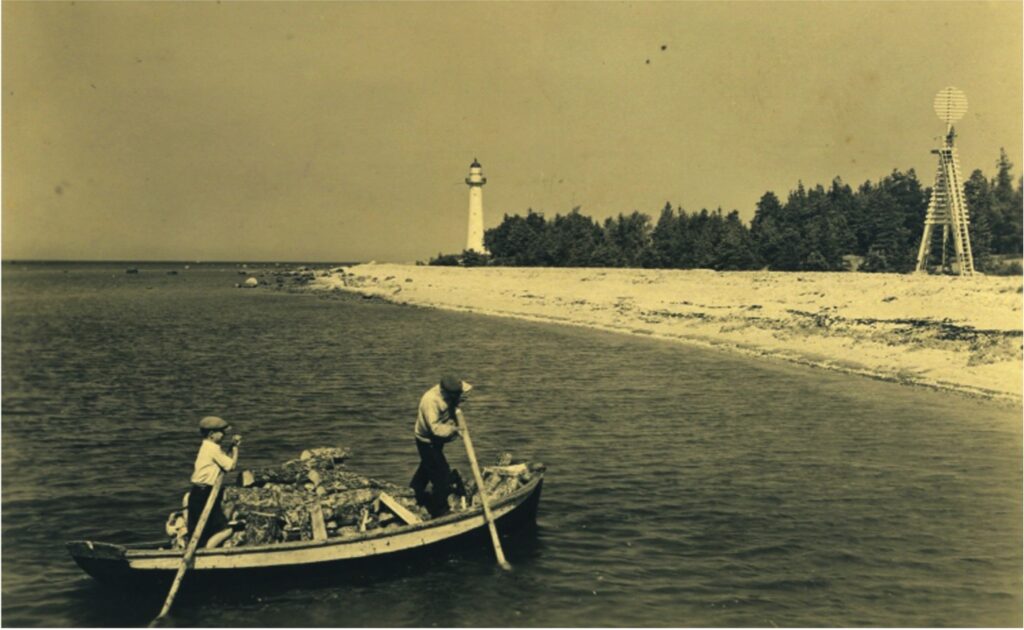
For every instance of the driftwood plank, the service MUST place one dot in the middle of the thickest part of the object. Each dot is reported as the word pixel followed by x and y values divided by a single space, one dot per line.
pixel 316 515
pixel 399 509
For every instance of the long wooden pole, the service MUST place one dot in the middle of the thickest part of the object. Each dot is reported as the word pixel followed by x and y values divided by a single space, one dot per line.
pixel 499 554
pixel 190 550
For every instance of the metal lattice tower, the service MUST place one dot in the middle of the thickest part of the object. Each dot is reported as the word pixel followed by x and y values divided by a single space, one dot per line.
pixel 948 207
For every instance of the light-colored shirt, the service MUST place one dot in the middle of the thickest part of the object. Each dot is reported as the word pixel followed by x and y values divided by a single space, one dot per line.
pixel 436 419
pixel 209 462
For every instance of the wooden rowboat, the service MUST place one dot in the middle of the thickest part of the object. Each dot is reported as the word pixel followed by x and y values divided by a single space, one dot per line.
pixel 149 562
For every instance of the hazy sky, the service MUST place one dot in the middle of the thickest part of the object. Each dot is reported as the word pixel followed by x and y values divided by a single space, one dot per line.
pixel 342 131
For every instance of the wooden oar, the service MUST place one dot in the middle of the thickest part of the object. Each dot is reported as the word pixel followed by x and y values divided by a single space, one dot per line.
pixel 190 550
pixel 483 493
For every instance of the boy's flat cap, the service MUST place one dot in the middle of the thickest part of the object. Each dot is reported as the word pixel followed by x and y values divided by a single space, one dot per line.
pixel 213 423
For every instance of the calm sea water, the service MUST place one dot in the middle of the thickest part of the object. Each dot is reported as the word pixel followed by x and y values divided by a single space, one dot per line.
pixel 685 487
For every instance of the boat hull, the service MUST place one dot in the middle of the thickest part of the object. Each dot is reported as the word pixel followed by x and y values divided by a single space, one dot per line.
pixel 144 565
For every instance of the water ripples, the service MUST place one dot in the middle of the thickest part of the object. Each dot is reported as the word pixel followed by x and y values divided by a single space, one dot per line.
pixel 685 488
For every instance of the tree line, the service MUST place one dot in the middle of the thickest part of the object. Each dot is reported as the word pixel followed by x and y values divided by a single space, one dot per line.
pixel 824 228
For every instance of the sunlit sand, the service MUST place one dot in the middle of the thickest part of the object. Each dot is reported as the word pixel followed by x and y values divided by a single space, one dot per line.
pixel 953 333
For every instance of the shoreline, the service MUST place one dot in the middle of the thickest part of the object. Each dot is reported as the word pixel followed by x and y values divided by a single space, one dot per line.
pixel 881 326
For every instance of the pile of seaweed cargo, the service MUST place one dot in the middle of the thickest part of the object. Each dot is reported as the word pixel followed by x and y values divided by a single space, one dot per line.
pixel 316 497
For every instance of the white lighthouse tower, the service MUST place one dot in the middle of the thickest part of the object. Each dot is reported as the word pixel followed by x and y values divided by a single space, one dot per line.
pixel 475 232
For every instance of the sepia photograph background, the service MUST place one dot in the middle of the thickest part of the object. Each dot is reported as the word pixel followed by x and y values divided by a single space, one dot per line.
pixel 258 211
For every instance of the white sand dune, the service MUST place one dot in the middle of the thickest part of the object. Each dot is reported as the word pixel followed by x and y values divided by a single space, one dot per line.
pixel 946 332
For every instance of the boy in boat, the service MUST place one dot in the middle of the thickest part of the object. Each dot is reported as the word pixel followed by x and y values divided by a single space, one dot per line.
pixel 437 423
pixel 210 461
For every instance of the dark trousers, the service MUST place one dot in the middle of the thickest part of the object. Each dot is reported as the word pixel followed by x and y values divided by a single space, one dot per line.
pixel 216 522
pixel 433 469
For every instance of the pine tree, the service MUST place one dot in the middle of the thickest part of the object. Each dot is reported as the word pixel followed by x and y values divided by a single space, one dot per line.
pixel 842 206
pixel 682 252
pixel 735 250
pixel 767 230
pixel 792 246
pixel 701 251
pixel 1002 187
pixel 824 230
pixel 1012 244
pixel 498 241
pixel 663 238
pixel 630 236
pixel 894 214
pixel 981 204
pixel 889 251
pixel 861 225
pixel 1006 210
pixel 573 238
pixel 519 241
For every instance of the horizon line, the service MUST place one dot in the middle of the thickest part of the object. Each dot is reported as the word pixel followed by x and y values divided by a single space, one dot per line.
pixel 7 261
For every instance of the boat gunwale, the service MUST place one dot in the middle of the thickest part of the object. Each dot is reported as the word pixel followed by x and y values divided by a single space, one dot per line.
pixel 131 552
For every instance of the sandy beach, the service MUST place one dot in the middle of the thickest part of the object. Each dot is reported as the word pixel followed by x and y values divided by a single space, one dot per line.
pixel 942 332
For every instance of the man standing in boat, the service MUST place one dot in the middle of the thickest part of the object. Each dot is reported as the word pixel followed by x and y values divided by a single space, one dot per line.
pixel 211 461
pixel 437 423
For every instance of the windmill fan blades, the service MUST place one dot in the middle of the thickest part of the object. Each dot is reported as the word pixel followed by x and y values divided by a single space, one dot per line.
pixel 950 104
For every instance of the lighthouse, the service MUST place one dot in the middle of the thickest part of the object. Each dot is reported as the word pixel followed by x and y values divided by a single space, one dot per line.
pixel 475 231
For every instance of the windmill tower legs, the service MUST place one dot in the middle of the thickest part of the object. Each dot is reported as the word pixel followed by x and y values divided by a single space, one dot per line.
pixel 926 244
pixel 945 247
pixel 948 208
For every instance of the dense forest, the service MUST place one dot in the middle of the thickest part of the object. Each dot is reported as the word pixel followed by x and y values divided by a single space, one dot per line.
pixel 875 227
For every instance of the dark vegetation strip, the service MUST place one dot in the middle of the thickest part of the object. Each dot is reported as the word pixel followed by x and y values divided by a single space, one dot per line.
pixel 875 228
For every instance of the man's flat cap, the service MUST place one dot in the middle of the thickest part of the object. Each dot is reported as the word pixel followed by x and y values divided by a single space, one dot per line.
pixel 451 384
